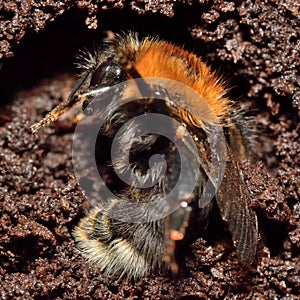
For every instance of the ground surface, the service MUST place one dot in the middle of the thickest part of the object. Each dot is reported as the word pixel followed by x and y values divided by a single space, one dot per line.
pixel 256 45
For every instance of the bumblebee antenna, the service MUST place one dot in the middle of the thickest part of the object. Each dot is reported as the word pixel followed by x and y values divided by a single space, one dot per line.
pixel 55 113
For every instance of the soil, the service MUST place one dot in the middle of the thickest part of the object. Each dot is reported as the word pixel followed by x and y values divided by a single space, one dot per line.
pixel 255 46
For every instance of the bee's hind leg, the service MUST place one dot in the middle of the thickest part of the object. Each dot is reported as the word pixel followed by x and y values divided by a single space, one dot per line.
pixel 175 229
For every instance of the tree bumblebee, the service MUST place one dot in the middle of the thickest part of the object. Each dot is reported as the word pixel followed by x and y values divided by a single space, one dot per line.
pixel 131 249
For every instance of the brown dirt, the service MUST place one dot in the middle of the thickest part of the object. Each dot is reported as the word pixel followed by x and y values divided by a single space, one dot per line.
pixel 256 45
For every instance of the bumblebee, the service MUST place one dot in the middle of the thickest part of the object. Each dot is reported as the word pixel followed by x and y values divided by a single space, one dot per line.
pixel 131 249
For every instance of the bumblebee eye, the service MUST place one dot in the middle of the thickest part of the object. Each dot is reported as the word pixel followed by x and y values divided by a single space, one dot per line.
pixel 108 73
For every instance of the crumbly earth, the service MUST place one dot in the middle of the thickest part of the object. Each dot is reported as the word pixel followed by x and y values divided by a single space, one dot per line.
pixel 256 46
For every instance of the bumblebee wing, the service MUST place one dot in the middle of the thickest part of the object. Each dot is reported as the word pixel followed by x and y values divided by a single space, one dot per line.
pixel 233 200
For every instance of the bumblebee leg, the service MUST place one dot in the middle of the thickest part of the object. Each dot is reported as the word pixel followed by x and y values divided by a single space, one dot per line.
pixel 175 229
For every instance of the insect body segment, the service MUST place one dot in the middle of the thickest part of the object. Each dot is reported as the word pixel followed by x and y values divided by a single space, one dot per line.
pixel 131 249
pixel 117 247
